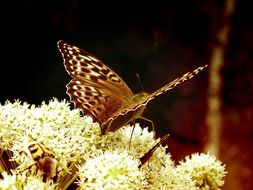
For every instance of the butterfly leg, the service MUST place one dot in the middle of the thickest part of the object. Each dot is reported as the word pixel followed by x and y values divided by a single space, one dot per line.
pixel 147 122
pixel 129 144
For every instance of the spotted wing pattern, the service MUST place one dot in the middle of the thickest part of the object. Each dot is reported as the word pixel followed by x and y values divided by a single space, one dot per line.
pixel 95 88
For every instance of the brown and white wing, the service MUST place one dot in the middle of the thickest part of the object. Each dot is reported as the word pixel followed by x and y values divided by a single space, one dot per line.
pixel 176 82
pixel 95 88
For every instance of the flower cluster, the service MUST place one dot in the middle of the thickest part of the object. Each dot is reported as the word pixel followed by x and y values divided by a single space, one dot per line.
pixel 205 170
pixel 54 147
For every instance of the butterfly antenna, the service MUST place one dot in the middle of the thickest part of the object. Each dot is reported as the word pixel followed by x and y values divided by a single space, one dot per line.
pixel 139 80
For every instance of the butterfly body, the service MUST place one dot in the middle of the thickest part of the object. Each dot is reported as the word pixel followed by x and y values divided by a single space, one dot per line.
pixel 99 92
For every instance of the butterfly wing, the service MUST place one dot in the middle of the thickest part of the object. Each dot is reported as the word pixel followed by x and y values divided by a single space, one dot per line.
pixel 134 110
pixel 176 82
pixel 95 88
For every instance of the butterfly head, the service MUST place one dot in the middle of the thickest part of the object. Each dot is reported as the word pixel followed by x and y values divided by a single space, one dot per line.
pixel 138 97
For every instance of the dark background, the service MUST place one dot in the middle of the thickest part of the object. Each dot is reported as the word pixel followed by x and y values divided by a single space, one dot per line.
pixel 157 40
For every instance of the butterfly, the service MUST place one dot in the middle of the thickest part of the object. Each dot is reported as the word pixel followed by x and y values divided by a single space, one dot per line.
pixel 101 93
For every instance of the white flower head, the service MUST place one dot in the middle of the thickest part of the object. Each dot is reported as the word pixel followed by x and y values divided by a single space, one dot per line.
pixel 111 170
pixel 206 171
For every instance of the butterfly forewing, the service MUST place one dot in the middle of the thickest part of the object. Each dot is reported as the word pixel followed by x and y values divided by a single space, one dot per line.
pixel 82 65
pixel 96 89
pixel 176 82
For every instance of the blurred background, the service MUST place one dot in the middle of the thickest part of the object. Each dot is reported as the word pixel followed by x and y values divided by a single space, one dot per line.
pixel 159 41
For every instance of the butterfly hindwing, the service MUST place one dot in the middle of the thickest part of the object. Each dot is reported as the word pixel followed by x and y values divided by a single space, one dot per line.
pixel 94 101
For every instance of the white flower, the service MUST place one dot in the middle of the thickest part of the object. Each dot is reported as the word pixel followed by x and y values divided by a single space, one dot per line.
pixel 111 170
pixel 104 161
pixel 206 171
